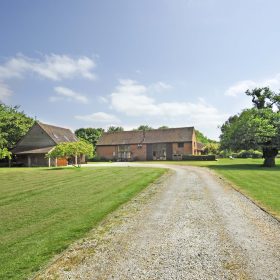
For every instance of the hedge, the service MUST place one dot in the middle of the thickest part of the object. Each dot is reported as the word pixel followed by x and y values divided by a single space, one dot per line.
pixel 202 157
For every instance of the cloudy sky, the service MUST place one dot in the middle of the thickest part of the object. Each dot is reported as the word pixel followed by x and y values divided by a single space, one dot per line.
pixel 129 62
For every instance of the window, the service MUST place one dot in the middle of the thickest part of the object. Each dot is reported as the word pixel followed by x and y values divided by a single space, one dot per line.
pixel 124 152
pixel 180 145
pixel 123 148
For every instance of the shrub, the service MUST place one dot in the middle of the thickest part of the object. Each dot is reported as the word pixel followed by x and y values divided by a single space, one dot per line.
pixel 202 157
pixel 249 154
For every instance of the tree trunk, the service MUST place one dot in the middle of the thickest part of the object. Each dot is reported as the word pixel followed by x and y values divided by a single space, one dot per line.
pixel 269 155
pixel 269 162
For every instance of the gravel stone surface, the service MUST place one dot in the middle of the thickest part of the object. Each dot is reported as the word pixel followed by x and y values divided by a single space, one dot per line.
pixel 188 225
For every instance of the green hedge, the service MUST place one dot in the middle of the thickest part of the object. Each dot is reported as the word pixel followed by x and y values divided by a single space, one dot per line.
pixel 208 157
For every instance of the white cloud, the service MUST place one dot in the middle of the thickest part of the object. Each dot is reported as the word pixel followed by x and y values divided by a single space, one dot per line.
pixel 99 117
pixel 5 92
pixel 54 67
pixel 133 100
pixel 160 87
pixel 241 86
pixel 63 93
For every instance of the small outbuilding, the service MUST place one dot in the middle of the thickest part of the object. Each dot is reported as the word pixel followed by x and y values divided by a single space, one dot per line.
pixel 41 138
pixel 156 144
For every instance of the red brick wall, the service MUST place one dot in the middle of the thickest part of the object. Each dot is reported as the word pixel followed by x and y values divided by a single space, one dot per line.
pixel 186 150
pixel 106 152
pixel 138 153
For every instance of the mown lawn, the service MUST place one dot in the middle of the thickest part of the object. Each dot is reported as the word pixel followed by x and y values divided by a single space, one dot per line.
pixel 43 210
pixel 260 184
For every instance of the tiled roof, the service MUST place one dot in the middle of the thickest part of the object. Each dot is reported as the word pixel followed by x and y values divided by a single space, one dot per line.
pixel 170 135
pixel 58 134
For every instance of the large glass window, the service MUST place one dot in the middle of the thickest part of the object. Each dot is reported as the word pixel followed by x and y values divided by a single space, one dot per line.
pixel 124 152
pixel 123 148
pixel 159 151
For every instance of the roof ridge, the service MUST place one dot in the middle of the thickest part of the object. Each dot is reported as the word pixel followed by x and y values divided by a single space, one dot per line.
pixel 55 131
pixel 156 129
pixel 60 127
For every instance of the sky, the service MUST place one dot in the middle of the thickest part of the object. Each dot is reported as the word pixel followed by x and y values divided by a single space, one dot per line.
pixel 125 63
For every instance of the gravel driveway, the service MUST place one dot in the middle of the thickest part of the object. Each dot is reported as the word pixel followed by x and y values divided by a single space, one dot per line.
pixel 188 225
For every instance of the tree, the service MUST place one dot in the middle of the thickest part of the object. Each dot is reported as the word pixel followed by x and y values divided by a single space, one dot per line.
pixel 163 127
pixel 13 125
pixel 114 129
pixel 211 148
pixel 200 137
pixel 4 153
pixel 91 135
pixel 264 98
pixel 71 149
pixel 253 129
pixel 144 127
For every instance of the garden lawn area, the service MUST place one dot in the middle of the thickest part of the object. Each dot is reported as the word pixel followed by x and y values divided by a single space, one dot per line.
pixel 260 184
pixel 43 210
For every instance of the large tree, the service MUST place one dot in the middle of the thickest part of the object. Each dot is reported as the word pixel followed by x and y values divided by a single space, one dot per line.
pixel 264 98
pixel 91 135
pixel 13 125
pixel 256 128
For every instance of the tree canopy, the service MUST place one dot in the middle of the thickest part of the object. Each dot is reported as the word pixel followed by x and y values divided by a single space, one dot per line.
pixel 13 125
pixel 211 148
pixel 255 128
pixel 91 135
pixel 4 153
pixel 144 127
pixel 115 128
pixel 71 149
pixel 163 127
pixel 200 137
pixel 264 98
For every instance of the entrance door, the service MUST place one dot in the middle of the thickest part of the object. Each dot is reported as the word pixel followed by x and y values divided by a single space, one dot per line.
pixel 159 151
pixel 124 153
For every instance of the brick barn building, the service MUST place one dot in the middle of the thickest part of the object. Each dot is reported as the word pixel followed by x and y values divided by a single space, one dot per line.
pixel 41 138
pixel 157 144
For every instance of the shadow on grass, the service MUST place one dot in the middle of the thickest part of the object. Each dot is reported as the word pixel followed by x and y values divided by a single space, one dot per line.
pixel 257 167
pixel 58 168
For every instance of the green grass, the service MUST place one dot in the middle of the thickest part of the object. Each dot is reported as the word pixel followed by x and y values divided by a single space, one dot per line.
pixel 43 210
pixel 260 184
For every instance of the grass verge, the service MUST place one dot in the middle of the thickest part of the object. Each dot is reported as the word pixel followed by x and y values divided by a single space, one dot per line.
pixel 42 211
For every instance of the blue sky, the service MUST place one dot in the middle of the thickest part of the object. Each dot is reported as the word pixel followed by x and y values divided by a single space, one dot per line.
pixel 128 62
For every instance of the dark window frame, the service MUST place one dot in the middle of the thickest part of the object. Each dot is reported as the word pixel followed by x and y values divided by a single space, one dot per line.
pixel 181 145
